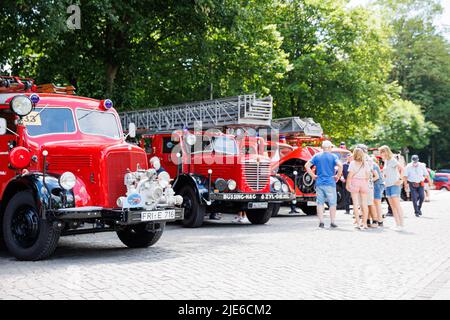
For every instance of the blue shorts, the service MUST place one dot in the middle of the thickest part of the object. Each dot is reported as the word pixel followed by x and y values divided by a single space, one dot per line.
pixel 378 189
pixel 393 191
pixel 326 194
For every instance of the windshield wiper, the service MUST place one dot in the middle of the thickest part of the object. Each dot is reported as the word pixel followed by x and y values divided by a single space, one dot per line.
pixel 86 115
pixel 34 117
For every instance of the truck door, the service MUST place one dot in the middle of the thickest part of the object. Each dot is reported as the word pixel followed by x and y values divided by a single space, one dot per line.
pixel 6 173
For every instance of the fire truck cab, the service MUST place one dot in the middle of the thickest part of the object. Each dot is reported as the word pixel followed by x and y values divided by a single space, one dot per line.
pixel 214 175
pixel 66 169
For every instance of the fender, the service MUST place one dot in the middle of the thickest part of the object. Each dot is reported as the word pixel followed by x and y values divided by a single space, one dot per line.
pixel 198 182
pixel 42 193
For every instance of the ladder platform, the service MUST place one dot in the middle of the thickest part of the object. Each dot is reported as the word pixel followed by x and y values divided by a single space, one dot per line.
pixel 231 111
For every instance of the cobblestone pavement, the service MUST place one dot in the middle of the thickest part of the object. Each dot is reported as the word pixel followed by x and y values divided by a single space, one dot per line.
pixel 289 258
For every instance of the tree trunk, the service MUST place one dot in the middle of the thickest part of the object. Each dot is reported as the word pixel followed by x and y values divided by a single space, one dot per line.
pixel 111 72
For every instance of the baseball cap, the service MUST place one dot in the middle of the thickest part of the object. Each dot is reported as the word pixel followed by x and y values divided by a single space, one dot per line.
pixel 415 158
pixel 327 144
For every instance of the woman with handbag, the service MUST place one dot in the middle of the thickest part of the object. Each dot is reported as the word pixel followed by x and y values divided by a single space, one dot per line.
pixel 392 172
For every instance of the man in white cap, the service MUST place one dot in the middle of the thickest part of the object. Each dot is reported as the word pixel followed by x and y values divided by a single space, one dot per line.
pixel 414 178
pixel 325 177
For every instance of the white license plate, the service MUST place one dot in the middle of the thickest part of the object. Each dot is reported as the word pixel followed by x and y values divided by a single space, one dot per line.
pixel 258 205
pixel 158 215
pixel 311 203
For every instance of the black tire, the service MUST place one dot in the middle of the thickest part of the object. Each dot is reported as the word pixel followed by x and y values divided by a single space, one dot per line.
pixel 308 210
pixel 194 211
pixel 276 209
pixel 26 235
pixel 137 236
pixel 260 216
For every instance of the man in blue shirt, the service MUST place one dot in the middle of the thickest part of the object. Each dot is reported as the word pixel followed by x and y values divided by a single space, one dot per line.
pixel 325 177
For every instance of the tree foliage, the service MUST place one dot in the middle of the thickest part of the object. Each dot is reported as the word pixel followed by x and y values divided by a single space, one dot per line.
pixel 350 68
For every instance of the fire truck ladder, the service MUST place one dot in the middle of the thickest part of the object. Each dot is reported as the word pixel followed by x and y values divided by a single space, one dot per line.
pixel 243 110
pixel 296 126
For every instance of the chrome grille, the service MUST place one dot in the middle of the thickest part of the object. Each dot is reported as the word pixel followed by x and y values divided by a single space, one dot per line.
pixel 257 174
pixel 117 164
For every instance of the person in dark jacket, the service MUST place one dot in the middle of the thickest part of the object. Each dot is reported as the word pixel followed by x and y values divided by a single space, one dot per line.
pixel 345 194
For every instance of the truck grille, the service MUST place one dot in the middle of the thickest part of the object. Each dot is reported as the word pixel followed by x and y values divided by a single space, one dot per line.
pixel 63 163
pixel 117 164
pixel 257 174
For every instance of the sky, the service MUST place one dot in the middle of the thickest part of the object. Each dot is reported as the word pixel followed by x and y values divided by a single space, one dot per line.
pixel 443 22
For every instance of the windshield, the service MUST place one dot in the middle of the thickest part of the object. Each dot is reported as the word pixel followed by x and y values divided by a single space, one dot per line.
pixel 98 123
pixel 225 145
pixel 49 121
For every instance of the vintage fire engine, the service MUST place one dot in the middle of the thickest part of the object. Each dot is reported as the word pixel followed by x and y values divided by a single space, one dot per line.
pixel 212 173
pixel 303 135
pixel 66 169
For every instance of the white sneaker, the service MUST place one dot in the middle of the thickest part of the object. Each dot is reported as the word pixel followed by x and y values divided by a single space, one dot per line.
pixel 236 219
pixel 398 228
pixel 245 220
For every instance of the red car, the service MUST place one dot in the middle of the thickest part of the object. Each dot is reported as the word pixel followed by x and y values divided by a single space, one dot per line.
pixel 66 169
pixel 442 180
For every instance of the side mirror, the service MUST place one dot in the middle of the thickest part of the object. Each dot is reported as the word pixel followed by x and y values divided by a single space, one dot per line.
pixel 3 126
pixel 132 130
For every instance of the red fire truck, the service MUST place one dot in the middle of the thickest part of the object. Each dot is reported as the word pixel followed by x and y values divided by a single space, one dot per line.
pixel 66 169
pixel 212 173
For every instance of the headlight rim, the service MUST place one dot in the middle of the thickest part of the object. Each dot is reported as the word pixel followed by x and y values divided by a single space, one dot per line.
pixel 63 183
pixel 15 98
pixel 163 183
pixel 232 181
pixel 276 185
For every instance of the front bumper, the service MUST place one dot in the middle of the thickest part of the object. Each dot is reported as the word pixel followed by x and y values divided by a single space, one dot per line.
pixel 119 216
pixel 254 197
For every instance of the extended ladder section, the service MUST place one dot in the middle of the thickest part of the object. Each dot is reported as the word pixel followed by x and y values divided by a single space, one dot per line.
pixel 244 110
pixel 298 126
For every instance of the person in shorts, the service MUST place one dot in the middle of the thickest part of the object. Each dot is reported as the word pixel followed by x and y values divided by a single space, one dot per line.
pixel 378 189
pixel 392 175
pixel 358 186
pixel 325 177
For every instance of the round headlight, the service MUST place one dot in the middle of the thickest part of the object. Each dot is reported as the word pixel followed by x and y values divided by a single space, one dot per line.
pixel 277 185
pixel 163 179
pixel 221 184
pixel 285 188
pixel 231 184
pixel 156 164
pixel 67 180
pixel 156 192
pixel 21 105
pixel 191 139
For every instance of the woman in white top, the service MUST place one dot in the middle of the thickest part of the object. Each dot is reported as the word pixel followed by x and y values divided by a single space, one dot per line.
pixel 393 172
pixel 358 185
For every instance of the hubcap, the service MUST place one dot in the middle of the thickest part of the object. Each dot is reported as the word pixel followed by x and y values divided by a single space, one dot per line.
pixel 25 226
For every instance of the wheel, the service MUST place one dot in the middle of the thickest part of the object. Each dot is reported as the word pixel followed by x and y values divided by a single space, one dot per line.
pixel 276 209
pixel 308 210
pixel 260 216
pixel 194 211
pixel 26 235
pixel 137 236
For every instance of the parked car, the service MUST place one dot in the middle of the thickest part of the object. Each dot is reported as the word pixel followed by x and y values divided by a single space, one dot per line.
pixel 442 181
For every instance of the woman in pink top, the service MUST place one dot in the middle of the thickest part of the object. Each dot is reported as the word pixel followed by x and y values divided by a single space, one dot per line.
pixel 358 185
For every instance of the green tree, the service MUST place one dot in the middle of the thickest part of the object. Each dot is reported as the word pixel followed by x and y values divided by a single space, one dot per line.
pixel 422 66
pixel 341 61
pixel 403 126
